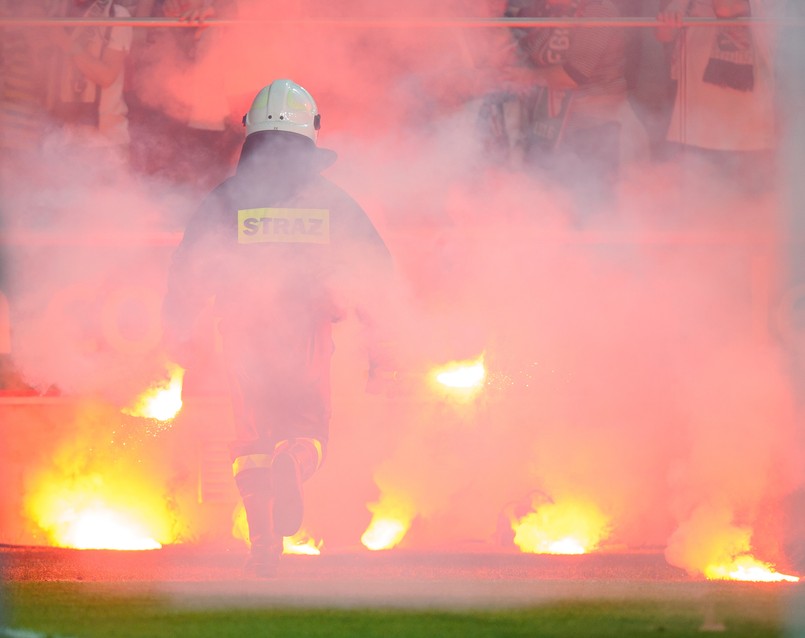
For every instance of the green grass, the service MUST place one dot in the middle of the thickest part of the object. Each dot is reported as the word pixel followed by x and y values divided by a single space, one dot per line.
pixel 80 610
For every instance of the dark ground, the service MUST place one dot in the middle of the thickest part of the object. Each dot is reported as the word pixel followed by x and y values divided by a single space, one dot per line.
pixel 475 578
pixel 609 589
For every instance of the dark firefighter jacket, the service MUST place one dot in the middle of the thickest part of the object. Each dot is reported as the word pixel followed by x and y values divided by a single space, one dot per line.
pixel 279 248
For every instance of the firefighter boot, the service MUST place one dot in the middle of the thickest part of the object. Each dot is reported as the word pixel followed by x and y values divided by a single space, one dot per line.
pixel 295 461
pixel 254 486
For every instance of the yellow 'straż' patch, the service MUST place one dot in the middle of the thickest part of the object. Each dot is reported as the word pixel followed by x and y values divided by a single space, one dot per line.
pixel 284 225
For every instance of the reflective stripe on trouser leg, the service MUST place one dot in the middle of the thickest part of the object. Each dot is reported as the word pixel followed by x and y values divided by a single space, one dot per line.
pixel 250 462
pixel 308 454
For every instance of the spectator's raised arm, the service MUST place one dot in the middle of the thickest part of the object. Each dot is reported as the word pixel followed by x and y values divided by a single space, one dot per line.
pixel 192 11
pixel 670 19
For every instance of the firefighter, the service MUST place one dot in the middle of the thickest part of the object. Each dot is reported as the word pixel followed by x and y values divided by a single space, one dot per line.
pixel 282 253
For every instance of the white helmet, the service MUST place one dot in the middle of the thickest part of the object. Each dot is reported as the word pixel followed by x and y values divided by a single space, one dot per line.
pixel 283 105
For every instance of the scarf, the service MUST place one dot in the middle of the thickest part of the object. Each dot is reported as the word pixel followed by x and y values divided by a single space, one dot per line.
pixel 731 62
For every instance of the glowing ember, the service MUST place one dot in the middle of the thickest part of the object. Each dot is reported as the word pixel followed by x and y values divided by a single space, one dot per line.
pixel 301 543
pixel 391 521
pixel 747 568
pixel 560 528
pixel 83 514
pixel 464 377
pixel 163 401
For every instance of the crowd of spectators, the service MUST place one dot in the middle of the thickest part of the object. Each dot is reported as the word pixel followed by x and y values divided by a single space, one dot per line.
pixel 564 102
pixel 575 103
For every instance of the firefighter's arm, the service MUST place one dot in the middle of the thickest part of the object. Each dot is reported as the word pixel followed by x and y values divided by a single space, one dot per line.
pixel 181 309
pixel 379 310
pixel 383 373
pixel 189 292
pixel 384 316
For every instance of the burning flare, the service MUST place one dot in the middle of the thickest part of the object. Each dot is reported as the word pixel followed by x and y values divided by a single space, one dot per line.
pixel 161 401
pixel 709 543
pixel 90 513
pixel 570 527
pixel 301 543
pixel 463 377
pixel 390 522
pixel 99 527
pixel 747 568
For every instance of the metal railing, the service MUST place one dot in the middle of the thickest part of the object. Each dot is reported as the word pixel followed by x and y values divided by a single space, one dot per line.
pixel 406 22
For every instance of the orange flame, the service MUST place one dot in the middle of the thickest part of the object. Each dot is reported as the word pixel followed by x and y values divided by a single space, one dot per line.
pixel 301 543
pixel 162 401
pixel 390 522
pixel 709 543
pixel 100 527
pixel 571 527
pixel 89 513
pixel 747 568
pixel 462 378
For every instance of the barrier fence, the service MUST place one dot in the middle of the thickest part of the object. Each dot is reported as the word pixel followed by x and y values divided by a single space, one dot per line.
pixel 402 22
